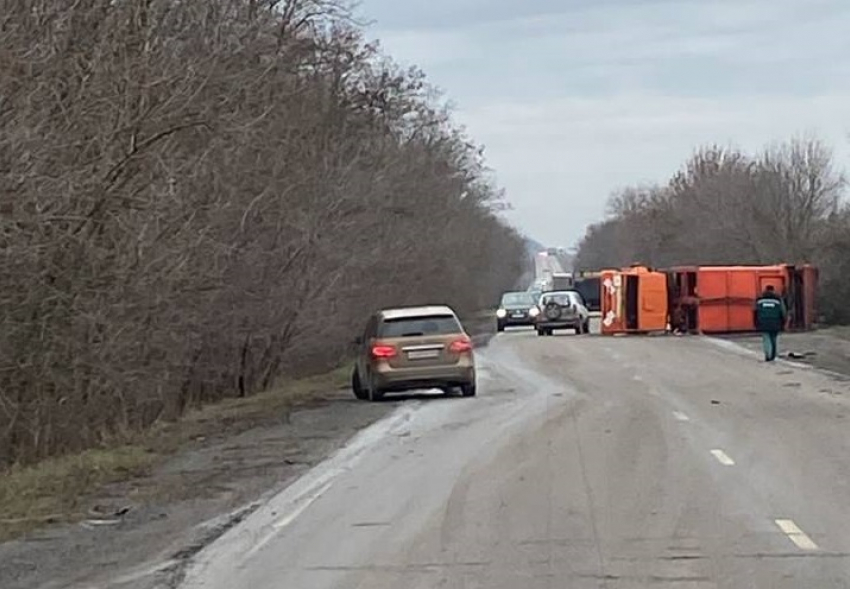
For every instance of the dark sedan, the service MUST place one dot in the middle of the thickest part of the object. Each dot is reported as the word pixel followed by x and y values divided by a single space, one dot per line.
pixel 516 308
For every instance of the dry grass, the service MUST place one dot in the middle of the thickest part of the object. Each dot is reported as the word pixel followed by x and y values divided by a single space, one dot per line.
pixel 55 490
pixel 234 416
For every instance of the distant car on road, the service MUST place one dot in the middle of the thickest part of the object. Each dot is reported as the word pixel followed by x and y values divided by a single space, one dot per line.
pixel 535 293
pixel 562 309
pixel 516 308
pixel 542 284
pixel 413 348
pixel 538 285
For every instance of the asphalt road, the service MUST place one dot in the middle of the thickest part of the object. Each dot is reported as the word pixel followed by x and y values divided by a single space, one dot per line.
pixel 546 264
pixel 585 462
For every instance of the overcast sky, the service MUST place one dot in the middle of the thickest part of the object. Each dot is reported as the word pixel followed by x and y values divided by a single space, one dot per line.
pixel 575 98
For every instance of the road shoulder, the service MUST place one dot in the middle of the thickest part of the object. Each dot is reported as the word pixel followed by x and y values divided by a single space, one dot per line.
pixel 825 349
pixel 139 531
pixel 185 502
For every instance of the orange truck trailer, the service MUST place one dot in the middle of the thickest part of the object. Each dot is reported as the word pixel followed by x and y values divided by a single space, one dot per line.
pixel 701 299
pixel 720 299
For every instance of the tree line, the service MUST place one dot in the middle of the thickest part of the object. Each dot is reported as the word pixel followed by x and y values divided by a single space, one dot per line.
pixel 724 206
pixel 197 198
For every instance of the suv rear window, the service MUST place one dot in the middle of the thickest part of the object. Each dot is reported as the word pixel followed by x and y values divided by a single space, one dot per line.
pixel 416 326
pixel 564 299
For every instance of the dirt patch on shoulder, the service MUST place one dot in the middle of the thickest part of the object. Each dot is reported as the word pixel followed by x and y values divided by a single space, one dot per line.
pixel 168 514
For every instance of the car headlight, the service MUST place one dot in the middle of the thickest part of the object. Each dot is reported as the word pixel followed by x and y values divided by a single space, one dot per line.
pixel 501 313
pixel 534 312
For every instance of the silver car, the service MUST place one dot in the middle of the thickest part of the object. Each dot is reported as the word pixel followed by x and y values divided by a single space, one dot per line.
pixel 562 309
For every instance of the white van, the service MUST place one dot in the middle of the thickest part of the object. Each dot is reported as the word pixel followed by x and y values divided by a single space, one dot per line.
pixel 562 281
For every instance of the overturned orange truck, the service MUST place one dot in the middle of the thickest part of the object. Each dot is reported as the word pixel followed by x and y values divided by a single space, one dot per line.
pixel 633 300
pixel 720 299
pixel 702 299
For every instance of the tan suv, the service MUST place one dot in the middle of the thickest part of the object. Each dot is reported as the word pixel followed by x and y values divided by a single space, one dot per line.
pixel 413 348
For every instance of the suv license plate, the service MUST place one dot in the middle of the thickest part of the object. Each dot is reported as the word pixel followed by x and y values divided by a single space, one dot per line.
pixel 423 354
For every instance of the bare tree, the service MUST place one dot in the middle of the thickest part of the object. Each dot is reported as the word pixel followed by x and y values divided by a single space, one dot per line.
pixel 726 207
pixel 198 198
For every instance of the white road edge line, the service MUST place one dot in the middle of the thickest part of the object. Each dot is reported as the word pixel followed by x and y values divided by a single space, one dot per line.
pixel 288 519
pixel 796 535
pixel 681 416
pixel 279 509
pixel 308 501
pixel 723 458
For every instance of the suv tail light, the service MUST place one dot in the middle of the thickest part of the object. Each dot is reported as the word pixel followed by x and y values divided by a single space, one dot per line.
pixel 461 345
pixel 383 352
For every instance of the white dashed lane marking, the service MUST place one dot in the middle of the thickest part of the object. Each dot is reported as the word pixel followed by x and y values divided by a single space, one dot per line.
pixel 796 535
pixel 681 416
pixel 723 458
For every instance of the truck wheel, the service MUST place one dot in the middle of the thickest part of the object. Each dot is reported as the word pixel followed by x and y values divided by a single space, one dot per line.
pixel 541 332
pixel 500 328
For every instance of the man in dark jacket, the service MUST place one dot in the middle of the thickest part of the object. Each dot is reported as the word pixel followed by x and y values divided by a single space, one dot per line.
pixel 770 314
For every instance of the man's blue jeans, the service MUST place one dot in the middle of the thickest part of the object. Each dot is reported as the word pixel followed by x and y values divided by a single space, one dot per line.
pixel 769 343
